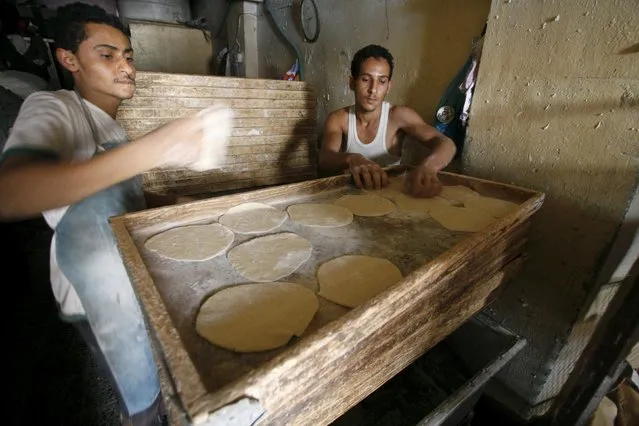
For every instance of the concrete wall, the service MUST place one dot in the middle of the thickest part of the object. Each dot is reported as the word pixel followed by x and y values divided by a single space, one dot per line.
pixel 556 109
pixel 430 40
pixel 171 48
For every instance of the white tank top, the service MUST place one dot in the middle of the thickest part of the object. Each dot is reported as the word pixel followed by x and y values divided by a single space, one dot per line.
pixel 376 150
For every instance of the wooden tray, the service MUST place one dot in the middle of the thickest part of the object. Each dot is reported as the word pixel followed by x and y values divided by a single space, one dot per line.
pixel 345 354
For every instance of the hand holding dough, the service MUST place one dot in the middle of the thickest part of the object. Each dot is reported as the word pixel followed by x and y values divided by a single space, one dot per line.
pixel 198 142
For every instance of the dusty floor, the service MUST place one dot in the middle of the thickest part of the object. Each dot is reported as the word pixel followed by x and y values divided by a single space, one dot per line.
pixel 52 377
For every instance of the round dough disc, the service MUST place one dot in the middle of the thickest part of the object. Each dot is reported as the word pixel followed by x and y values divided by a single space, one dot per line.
pixel 459 193
pixel 394 189
pixel 353 279
pixel 320 215
pixel 419 205
pixel 256 317
pixel 193 242
pixel 461 218
pixel 253 218
pixel 366 205
pixel 492 206
pixel 270 258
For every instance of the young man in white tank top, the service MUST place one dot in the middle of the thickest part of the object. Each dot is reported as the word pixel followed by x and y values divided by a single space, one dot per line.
pixel 365 137
pixel 68 159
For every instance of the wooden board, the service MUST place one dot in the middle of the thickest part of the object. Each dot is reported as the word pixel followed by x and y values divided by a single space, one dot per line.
pixel 273 141
pixel 346 354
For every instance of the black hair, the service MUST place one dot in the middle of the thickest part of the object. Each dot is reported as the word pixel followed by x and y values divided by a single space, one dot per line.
pixel 371 51
pixel 71 20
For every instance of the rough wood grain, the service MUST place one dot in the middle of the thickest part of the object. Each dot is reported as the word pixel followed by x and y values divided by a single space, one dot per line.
pixel 154 102
pixel 221 93
pixel 156 78
pixel 173 112
pixel 277 116
pixel 319 378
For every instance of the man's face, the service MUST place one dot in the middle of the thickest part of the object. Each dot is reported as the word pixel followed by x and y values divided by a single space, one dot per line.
pixel 104 62
pixel 372 84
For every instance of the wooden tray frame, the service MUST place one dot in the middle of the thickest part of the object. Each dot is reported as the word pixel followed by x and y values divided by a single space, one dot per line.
pixel 325 374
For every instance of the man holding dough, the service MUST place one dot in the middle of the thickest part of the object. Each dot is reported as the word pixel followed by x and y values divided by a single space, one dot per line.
pixel 68 159
pixel 367 136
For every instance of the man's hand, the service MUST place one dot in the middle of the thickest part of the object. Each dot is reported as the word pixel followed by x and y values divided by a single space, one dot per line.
pixel 198 141
pixel 423 182
pixel 366 173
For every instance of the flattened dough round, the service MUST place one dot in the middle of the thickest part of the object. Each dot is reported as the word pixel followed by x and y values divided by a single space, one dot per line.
pixel 256 317
pixel 366 205
pixel 461 218
pixel 320 215
pixel 270 258
pixel 419 205
pixel 353 279
pixel 394 189
pixel 253 218
pixel 193 242
pixel 493 206
pixel 459 193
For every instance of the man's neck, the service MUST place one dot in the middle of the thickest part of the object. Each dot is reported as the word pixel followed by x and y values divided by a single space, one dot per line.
pixel 367 117
pixel 106 103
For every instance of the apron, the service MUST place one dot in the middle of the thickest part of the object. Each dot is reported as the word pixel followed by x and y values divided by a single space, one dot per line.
pixel 88 256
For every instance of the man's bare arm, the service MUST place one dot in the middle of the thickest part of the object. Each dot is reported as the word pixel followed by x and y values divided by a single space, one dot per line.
pixel 423 181
pixel 442 147
pixel 331 160
pixel 29 186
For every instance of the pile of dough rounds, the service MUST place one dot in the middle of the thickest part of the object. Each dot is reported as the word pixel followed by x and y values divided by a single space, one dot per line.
pixel 457 207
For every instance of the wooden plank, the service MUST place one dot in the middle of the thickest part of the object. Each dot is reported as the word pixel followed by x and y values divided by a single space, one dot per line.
pixel 203 189
pixel 137 131
pixel 294 146
pixel 154 79
pixel 277 117
pixel 183 374
pixel 155 102
pixel 486 187
pixel 603 358
pixel 286 123
pixel 219 93
pixel 134 113
pixel 235 170
pixel 183 179
pixel 270 158
pixel 286 141
pixel 204 208
pixel 265 161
